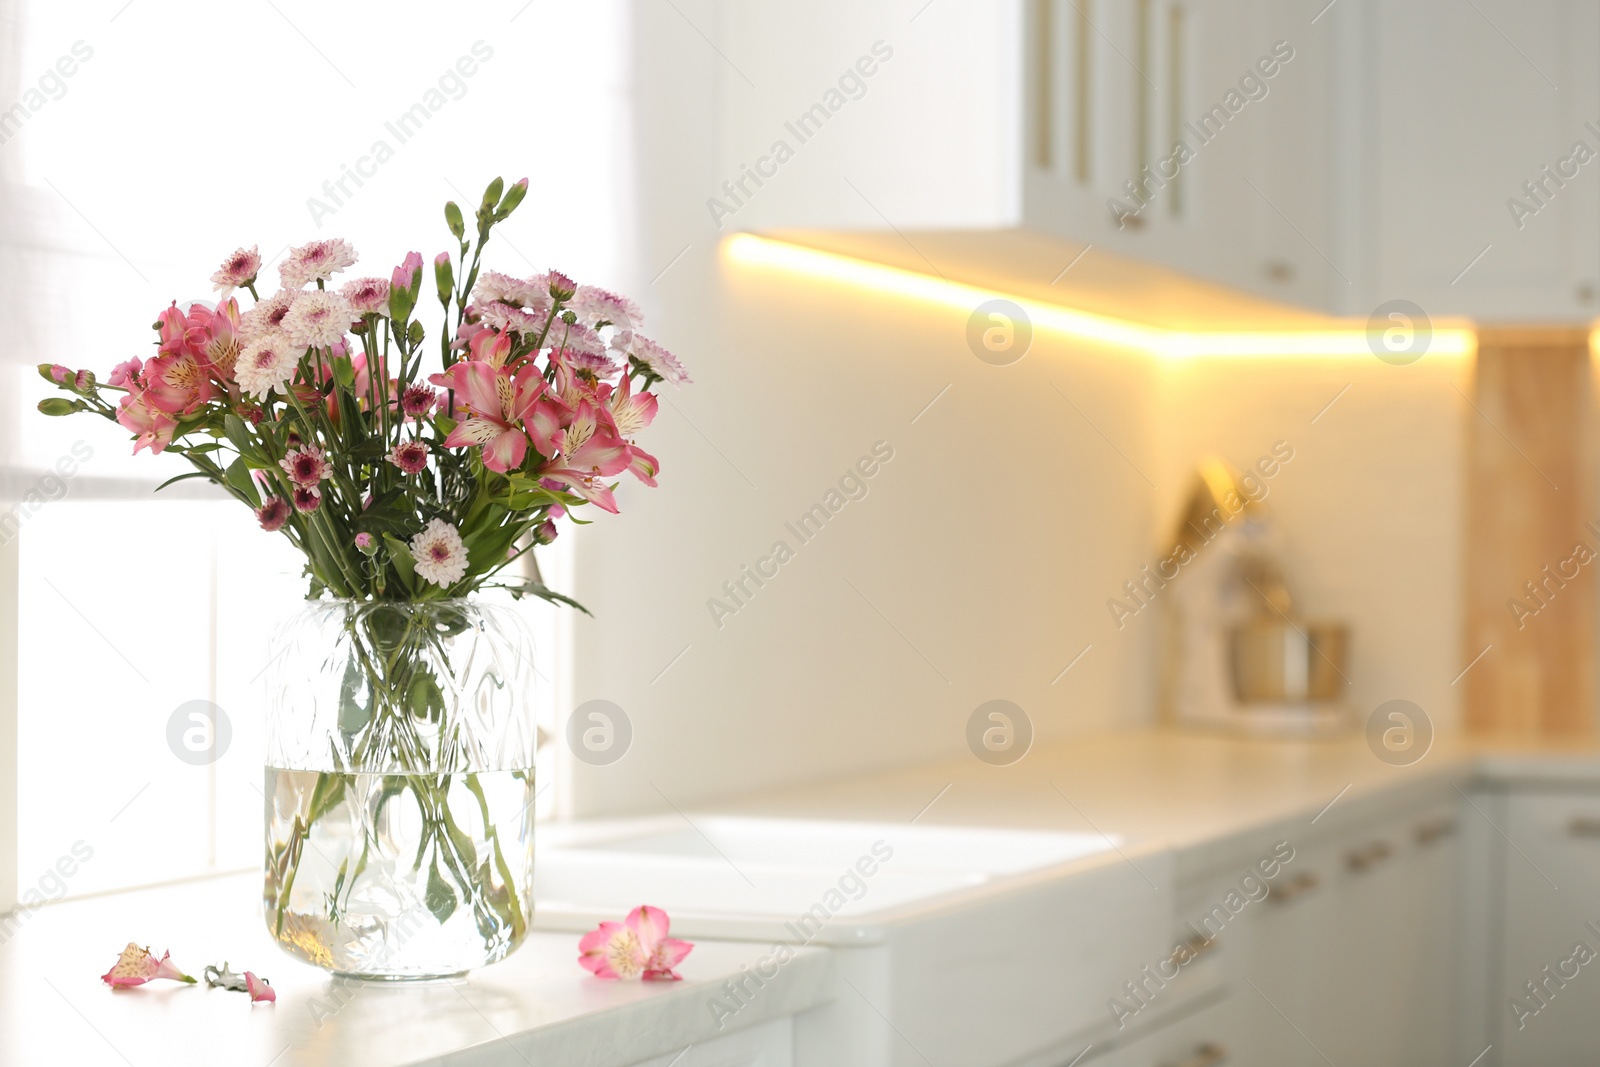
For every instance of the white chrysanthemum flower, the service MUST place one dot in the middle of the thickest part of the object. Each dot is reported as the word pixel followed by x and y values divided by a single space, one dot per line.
pixel 594 304
pixel 662 364
pixel 575 337
pixel 505 317
pixel 316 261
pixel 318 319
pixel 266 363
pixel 440 556
pixel 266 316
pixel 533 294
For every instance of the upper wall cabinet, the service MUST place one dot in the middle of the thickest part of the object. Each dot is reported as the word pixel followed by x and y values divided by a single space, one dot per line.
pixel 1330 154
pixel 1333 154
pixel 1192 132
pixel 1484 127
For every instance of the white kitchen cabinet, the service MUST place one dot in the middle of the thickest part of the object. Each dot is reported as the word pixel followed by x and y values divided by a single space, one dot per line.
pixel 1382 956
pixel 1549 873
pixel 768 1045
pixel 1468 103
pixel 1199 135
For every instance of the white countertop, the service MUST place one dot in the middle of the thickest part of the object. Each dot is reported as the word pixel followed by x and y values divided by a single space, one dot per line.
pixel 1194 794
pixel 1191 792
pixel 536 1006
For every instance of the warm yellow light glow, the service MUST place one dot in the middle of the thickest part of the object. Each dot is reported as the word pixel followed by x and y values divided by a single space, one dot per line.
pixel 751 250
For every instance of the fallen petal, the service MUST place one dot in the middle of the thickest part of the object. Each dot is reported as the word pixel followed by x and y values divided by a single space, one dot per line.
pixel 259 988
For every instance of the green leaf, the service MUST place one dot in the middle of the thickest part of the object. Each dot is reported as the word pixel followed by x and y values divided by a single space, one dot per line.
pixel 440 898
pixel 392 512
pixel 244 441
pixel 59 405
pixel 353 715
pixel 521 587
pixel 343 372
pixel 238 476
pixel 181 477
pixel 400 556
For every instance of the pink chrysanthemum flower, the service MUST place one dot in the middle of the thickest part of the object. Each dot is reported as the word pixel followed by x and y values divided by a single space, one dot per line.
pixel 266 316
pixel 367 295
pixel 505 317
pixel 561 286
pixel 318 319
pixel 659 361
pixel 595 305
pixel 238 269
pixel 273 514
pixel 306 466
pixel 315 261
pixel 363 540
pixel 576 337
pixel 596 364
pixel 266 364
pixel 418 400
pixel 307 499
pixel 410 456
pixel 439 554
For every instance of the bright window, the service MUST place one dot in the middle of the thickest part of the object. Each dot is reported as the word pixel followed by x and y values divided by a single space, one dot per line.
pixel 121 191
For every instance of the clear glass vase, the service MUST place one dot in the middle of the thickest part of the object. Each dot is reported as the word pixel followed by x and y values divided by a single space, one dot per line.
pixel 399 786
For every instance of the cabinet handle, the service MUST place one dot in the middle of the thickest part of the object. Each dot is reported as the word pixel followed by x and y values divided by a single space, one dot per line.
pixel 1363 859
pixel 1196 946
pixel 1584 826
pixel 1209 1054
pixel 1298 886
pixel 1429 832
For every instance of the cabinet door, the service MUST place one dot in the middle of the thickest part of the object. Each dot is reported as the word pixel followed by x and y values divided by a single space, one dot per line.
pixel 1473 101
pixel 1200 1040
pixel 1260 953
pixel 1550 864
pixel 1381 962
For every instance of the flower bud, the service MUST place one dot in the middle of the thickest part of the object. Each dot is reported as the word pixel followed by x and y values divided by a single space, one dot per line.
pixel 509 202
pixel 444 275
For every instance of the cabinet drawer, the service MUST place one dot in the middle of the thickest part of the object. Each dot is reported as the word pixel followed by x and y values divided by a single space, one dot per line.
pixel 1201 1040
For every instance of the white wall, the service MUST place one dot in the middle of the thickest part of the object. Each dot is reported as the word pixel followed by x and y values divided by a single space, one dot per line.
pixel 980 562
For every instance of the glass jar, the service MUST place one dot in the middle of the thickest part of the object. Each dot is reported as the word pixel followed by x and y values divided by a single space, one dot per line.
pixel 400 786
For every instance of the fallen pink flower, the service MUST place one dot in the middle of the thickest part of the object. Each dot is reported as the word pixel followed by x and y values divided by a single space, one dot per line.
pixel 259 988
pixel 636 948
pixel 137 966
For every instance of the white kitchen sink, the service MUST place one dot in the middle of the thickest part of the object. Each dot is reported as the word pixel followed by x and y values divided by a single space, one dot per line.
pixel 724 876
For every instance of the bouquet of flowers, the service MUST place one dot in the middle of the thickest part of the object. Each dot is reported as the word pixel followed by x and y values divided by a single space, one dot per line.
pixel 397 482
pixel 405 487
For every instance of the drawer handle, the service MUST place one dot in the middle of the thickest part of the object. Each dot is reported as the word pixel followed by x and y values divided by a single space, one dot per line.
pixel 1429 832
pixel 1298 886
pixel 1209 1054
pixel 1192 949
pixel 1584 826
pixel 1364 859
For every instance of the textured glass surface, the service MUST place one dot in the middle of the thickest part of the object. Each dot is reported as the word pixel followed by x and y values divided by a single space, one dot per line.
pixel 399 786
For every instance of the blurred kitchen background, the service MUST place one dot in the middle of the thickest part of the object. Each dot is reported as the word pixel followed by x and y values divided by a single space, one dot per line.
pixel 1378 255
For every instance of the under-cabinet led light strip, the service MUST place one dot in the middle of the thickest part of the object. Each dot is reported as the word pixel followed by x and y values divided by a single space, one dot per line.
pixel 752 250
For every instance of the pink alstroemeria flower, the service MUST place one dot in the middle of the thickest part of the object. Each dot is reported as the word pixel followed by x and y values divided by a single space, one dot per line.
pixel 259 988
pixel 497 402
pixel 152 428
pixel 590 450
pixel 637 948
pixel 136 966
pixel 632 412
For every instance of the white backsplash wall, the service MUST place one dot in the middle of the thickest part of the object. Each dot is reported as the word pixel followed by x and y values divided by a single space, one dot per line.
pixel 1370 507
pixel 980 560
